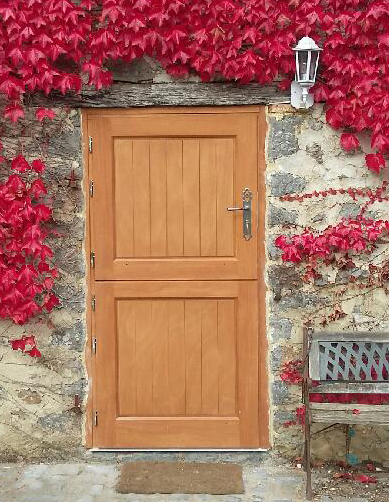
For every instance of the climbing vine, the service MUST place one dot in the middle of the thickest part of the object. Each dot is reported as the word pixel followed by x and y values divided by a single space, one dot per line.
pixel 48 45
pixel 58 46
pixel 26 274
pixel 343 247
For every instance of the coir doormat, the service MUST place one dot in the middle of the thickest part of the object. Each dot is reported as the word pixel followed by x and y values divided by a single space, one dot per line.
pixel 180 477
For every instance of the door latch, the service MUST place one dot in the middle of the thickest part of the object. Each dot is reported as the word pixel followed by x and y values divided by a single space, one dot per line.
pixel 247 197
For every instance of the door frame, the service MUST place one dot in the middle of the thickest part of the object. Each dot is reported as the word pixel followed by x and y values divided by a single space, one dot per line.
pixel 263 373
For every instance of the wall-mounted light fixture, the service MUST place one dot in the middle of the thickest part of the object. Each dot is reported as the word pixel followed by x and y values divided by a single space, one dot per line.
pixel 307 60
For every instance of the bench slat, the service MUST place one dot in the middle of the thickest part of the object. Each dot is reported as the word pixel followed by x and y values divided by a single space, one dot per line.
pixel 351 388
pixel 351 336
pixel 350 407
pixel 343 413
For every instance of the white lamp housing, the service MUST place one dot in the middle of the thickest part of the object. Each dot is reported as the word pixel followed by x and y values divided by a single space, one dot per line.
pixel 307 60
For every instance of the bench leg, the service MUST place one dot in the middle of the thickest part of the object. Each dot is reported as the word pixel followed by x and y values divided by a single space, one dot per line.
pixel 347 434
pixel 307 455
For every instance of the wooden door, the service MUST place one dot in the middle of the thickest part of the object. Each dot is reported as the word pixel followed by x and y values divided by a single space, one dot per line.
pixel 175 281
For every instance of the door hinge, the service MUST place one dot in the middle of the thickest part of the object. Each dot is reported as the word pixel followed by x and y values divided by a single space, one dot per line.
pixel 94 345
pixel 93 303
pixel 92 259
pixel 91 188
pixel 95 417
pixel 90 144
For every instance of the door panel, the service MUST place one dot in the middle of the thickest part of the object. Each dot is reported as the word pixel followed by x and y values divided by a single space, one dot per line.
pixel 175 353
pixel 175 282
pixel 161 192
pixel 153 336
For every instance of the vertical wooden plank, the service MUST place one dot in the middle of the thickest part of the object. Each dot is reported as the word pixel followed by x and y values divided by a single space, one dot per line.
pixel 193 357
pixel 175 209
pixel 141 191
pixel 209 358
pixel 126 358
pixel 143 358
pixel 159 347
pixel 225 197
pixel 208 197
pixel 123 198
pixel 246 176
pixel 226 337
pixel 105 379
pixel 176 357
pixel 247 388
pixel 158 222
pixel 191 195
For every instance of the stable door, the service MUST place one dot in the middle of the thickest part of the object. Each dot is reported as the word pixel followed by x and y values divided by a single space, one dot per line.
pixel 174 242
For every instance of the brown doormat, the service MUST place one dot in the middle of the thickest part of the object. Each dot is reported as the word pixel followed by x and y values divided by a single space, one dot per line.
pixel 180 477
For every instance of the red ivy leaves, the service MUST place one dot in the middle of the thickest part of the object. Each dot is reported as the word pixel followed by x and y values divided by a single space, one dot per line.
pixel 25 269
pixel 26 344
pixel 375 162
pixel 14 112
pixel 349 141
pixel 44 113
pixel 354 193
pixel 348 236
pixel 291 372
pixel 242 41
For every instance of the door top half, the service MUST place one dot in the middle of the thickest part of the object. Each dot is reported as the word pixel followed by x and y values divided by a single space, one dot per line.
pixel 162 185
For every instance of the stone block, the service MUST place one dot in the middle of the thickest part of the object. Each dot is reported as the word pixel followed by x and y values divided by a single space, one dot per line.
pixel 54 421
pixel 72 338
pixel 286 183
pixel 282 140
pixel 281 329
pixel 280 392
pixel 295 300
pixel 284 276
pixel 349 210
pixel 281 216
pixel 138 71
pixel 281 417
pixel 276 358
pixel 272 251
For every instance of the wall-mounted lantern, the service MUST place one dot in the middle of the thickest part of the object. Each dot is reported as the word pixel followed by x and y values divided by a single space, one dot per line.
pixel 307 60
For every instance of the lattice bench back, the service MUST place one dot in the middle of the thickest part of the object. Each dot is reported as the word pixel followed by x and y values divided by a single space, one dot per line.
pixel 349 357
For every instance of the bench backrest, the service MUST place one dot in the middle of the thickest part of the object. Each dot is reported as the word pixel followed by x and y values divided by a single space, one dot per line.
pixel 352 357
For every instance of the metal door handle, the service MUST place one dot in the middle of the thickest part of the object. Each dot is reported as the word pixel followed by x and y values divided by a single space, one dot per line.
pixel 246 208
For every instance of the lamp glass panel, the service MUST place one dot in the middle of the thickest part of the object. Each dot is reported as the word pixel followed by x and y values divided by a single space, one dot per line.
pixel 303 70
pixel 313 65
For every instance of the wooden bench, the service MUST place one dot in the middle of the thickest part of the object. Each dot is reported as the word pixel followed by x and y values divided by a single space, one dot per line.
pixel 343 363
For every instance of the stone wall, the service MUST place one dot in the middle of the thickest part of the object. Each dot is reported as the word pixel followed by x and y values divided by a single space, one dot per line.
pixel 304 155
pixel 38 416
